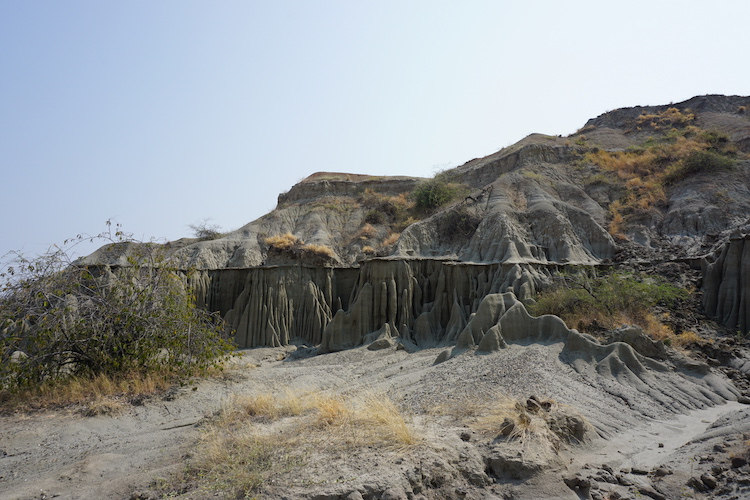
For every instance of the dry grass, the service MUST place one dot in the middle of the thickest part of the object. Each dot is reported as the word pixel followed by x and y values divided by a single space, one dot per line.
pixel 504 417
pixel 672 117
pixel 238 457
pixel 283 242
pixel 659 162
pixel 368 250
pixel 367 232
pixel 318 251
pixel 294 246
pixel 101 395
pixel 391 239
pixel 687 337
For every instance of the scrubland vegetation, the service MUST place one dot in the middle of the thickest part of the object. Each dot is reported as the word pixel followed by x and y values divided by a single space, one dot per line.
pixel 291 245
pixel 677 149
pixel 592 302
pixel 72 333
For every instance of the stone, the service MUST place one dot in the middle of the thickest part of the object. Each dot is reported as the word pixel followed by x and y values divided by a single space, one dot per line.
pixel 697 485
pixel 709 480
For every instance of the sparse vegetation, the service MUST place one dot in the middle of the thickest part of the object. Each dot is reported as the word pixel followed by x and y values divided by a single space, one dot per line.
pixel 296 248
pixel 681 149
pixel 592 302
pixel 459 223
pixel 367 232
pixel 534 421
pixel 237 458
pixel 63 323
pixel 391 239
pixel 670 118
pixel 385 209
pixel 436 192
pixel 205 230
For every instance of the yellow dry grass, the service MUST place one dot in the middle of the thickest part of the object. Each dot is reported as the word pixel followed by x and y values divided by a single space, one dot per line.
pixel 505 416
pixel 391 239
pixel 318 250
pixel 367 232
pixel 257 437
pixel 285 241
pixel 99 395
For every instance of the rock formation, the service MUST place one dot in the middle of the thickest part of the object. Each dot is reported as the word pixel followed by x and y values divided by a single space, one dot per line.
pixel 529 210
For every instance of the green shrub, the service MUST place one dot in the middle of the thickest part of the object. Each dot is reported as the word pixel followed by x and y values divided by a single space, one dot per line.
pixel 605 301
pixel 699 161
pixel 434 193
pixel 60 319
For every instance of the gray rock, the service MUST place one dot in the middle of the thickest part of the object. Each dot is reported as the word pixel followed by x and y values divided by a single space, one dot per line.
pixel 709 480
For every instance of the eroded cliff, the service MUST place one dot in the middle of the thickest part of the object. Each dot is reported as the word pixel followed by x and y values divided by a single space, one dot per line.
pixel 644 184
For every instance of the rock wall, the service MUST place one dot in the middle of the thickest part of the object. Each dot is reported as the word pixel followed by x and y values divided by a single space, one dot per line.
pixel 425 301
pixel 726 285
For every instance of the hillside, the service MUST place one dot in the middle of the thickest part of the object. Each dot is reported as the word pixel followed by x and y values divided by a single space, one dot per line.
pixel 594 286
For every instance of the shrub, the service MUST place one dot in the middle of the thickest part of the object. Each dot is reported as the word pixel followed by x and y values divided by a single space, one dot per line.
pixel 459 224
pixel 592 302
pixel 434 193
pixel 672 117
pixel 67 319
pixel 647 170
pixel 699 161
pixel 391 239
pixel 367 232
pixel 375 217
pixel 205 230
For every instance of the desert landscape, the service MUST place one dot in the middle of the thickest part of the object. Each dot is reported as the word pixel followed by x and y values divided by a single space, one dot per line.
pixel 565 318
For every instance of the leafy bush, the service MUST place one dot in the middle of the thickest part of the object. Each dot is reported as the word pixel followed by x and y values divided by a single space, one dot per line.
pixel 61 319
pixel 436 192
pixel 592 302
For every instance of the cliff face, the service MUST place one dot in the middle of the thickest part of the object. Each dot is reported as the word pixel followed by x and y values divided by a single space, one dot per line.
pixel 621 189
pixel 726 290
pixel 426 302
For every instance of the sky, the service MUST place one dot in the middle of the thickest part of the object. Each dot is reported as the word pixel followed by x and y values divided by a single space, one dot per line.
pixel 160 114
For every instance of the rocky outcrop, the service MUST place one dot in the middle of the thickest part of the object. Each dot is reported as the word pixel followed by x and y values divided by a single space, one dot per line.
pixel 726 285
pixel 426 302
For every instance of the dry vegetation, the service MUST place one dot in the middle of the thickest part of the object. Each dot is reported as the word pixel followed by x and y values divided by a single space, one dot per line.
pixel 102 394
pixel 293 246
pixel 678 149
pixel 257 438
pixel 533 422
pixel 593 303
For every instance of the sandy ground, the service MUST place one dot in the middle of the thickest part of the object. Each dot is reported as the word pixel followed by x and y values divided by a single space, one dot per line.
pixel 647 442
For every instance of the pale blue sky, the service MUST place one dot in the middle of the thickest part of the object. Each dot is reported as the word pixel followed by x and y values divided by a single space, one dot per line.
pixel 163 113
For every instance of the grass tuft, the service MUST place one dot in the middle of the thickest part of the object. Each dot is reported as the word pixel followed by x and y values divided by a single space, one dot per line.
pixel 261 437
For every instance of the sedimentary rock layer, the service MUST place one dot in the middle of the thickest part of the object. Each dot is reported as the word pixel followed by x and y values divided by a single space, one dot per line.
pixel 428 302
pixel 726 285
